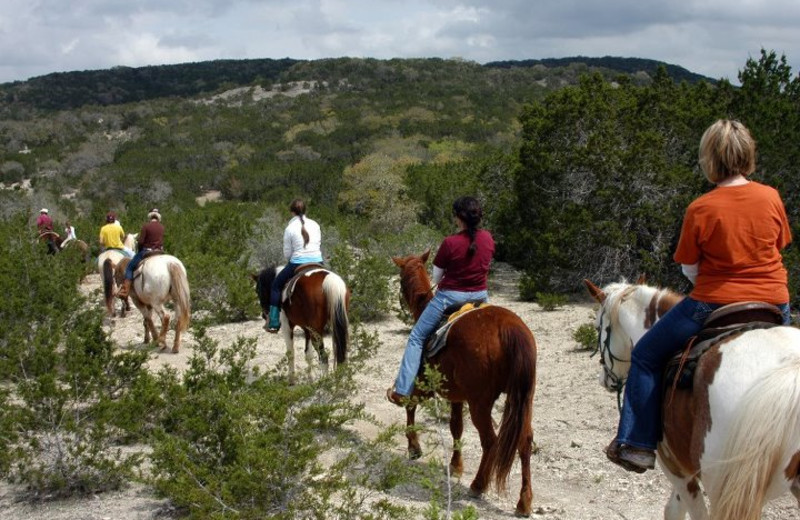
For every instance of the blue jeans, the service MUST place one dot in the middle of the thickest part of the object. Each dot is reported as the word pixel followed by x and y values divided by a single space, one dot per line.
pixel 134 263
pixel 280 280
pixel 426 324
pixel 640 417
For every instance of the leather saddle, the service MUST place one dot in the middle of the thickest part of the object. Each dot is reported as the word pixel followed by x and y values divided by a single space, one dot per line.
pixel 727 321
pixel 438 339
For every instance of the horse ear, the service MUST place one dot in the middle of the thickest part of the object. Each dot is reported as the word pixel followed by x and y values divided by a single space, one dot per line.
pixel 399 262
pixel 425 255
pixel 596 292
pixel 254 277
pixel 642 280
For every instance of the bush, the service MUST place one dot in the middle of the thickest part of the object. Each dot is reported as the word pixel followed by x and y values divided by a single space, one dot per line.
pixel 550 301
pixel 64 399
pixel 586 336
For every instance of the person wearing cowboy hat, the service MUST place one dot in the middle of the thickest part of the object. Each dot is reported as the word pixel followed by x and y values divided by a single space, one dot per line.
pixel 151 238
pixel 45 226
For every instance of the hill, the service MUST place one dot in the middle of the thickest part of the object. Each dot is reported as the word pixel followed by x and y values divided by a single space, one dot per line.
pixel 118 85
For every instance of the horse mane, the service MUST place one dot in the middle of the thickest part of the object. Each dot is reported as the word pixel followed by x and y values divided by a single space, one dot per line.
pixel 655 300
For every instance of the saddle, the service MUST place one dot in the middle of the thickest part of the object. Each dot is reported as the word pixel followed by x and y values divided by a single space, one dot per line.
pixel 725 322
pixel 301 271
pixel 438 339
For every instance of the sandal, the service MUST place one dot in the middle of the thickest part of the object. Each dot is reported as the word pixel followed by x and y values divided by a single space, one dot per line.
pixel 630 457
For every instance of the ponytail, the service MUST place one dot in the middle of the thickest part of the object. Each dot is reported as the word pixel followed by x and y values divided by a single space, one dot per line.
pixel 468 209
pixel 298 207
pixel 303 231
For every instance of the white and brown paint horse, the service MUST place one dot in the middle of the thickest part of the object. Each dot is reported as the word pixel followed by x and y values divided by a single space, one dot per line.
pixel 158 280
pixel 106 264
pixel 319 299
pixel 738 429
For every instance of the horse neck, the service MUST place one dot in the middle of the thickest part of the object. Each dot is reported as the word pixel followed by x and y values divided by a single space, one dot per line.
pixel 417 290
pixel 642 306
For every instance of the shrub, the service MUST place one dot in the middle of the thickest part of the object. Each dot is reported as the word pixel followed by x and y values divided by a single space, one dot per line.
pixel 550 301
pixel 586 336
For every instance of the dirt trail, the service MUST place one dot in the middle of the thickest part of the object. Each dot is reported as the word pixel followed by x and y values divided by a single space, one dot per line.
pixel 574 418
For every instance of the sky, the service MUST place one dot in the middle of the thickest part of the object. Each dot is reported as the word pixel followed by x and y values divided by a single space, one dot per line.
pixel 710 37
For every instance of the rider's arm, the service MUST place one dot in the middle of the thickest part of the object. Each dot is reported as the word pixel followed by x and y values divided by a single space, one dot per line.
pixel 438 273
pixel 690 271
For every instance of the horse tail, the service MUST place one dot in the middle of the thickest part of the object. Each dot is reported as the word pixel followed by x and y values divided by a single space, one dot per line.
pixel 515 428
pixel 179 291
pixel 763 433
pixel 108 283
pixel 335 291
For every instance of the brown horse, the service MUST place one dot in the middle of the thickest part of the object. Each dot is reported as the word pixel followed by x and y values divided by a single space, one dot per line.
pixel 319 298
pixel 489 351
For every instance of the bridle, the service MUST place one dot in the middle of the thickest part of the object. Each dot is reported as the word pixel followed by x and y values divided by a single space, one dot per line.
pixel 604 348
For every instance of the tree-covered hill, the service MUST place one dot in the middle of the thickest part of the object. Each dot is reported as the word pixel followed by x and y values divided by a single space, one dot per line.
pixel 634 66
pixel 118 85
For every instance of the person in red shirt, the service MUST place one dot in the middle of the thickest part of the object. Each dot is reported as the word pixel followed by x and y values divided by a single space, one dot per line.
pixel 45 226
pixel 151 238
pixel 461 270
pixel 729 248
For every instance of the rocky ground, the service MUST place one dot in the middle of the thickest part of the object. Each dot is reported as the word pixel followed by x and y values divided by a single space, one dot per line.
pixel 574 418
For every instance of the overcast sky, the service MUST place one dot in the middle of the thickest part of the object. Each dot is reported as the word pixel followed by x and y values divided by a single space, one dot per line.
pixel 710 37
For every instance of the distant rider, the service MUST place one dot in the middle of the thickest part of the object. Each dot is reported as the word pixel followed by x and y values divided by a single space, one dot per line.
pixel 45 226
pixel 151 238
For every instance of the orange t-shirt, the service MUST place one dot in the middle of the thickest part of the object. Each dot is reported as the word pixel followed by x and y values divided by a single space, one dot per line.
pixel 736 233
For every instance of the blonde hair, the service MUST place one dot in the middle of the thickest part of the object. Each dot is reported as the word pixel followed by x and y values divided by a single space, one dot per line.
pixel 726 150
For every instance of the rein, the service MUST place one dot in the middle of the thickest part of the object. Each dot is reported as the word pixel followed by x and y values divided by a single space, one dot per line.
pixel 604 347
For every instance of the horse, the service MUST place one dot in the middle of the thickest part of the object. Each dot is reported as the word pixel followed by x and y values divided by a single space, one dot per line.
pixel 488 351
pixel 320 297
pixel 737 428
pixel 58 240
pixel 159 279
pixel 106 263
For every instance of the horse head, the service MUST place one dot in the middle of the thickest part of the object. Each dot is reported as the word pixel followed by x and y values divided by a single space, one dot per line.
pixel 415 285
pixel 620 323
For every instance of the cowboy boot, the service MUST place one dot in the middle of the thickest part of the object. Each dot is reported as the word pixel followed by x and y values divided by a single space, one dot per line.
pixel 274 319
pixel 125 289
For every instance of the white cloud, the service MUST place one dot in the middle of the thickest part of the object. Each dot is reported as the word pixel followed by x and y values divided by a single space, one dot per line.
pixel 712 37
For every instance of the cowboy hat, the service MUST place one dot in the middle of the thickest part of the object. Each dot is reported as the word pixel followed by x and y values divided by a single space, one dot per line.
pixel 154 214
pixel 43 210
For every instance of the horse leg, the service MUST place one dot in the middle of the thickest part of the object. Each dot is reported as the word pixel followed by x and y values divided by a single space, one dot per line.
pixel 796 489
pixel 686 497
pixel 481 415
pixel 319 346
pixel 456 430
pixel 414 449
pixel 288 338
pixel 162 336
pixel 674 510
pixel 526 491
pixel 148 324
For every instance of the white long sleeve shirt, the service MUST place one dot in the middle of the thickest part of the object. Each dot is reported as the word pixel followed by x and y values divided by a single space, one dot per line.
pixel 293 249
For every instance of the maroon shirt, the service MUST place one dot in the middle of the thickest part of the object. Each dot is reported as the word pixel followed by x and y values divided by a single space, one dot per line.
pixel 44 222
pixel 463 272
pixel 151 236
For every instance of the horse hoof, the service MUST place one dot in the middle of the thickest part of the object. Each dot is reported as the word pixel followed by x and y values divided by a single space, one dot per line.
pixel 414 454
pixel 174 350
pixel 474 492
